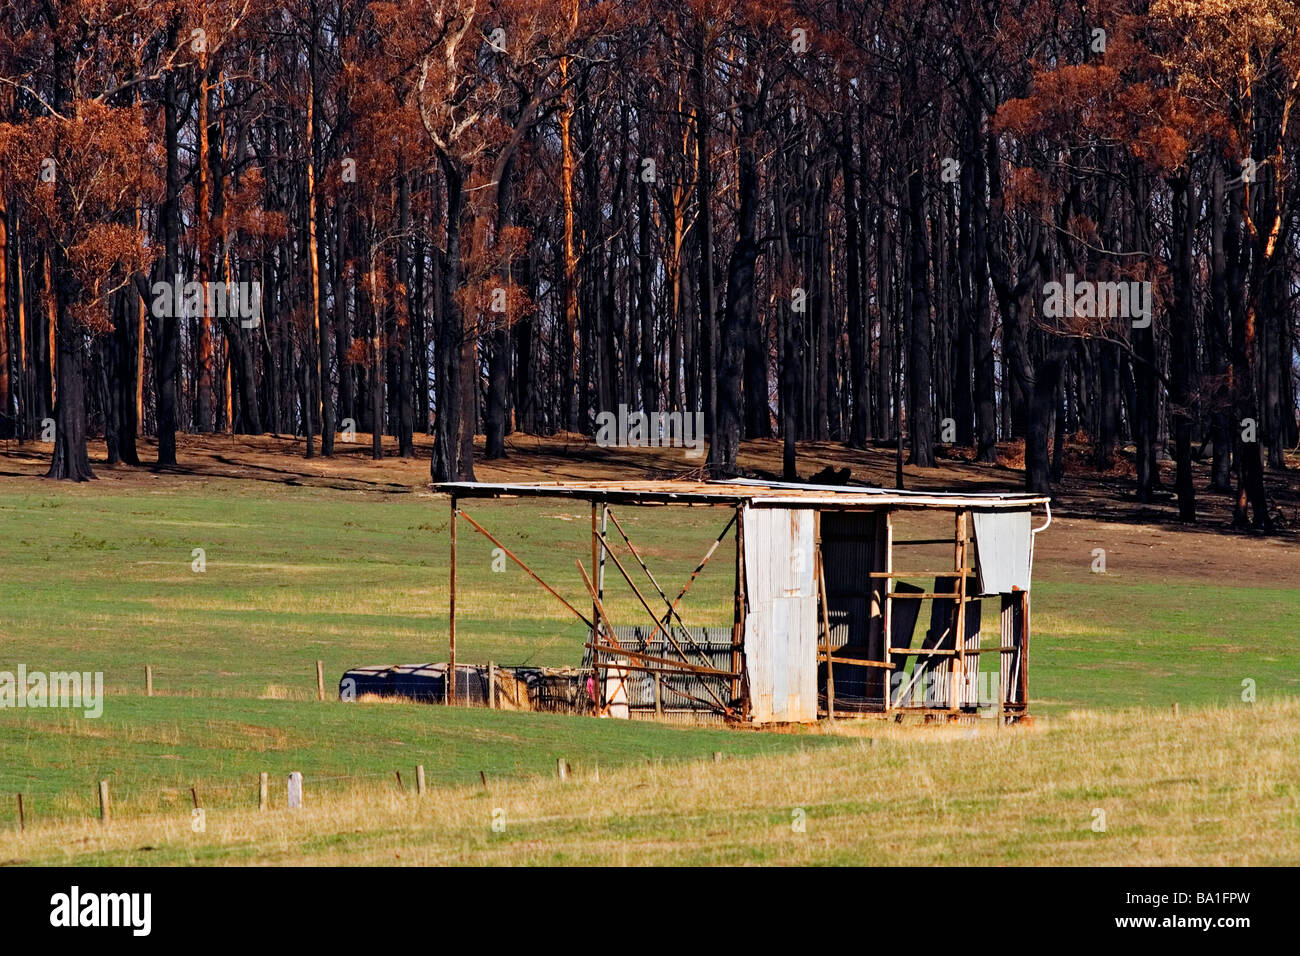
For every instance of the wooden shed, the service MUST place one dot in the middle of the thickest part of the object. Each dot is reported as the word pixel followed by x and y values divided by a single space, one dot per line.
pixel 829 587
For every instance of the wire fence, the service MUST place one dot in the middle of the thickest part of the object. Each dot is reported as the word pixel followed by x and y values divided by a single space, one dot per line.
pixel 35 801
pixel 110 800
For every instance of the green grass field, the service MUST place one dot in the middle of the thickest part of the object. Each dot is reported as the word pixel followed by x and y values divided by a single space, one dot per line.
pixel 101 579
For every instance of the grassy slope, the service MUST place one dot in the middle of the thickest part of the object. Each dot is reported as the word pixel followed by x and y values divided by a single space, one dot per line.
pixel 97 580
pixel 153 750
pixel 1218 787
pixel 104 582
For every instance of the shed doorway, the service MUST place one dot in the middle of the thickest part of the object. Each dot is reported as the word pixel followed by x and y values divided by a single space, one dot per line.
pixel 853 547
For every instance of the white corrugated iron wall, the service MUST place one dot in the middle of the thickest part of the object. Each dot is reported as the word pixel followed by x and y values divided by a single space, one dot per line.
pixel 781 622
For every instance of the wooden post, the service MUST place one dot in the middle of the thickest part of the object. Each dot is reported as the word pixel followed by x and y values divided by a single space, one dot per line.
pixel 194 797
pixel 889 611
pixel 148 680
pixel 320 680
pixel 451 652
pixel 595 612
pixel 1175 710
pixel 22 817
pixel 717 756
pixel 1024 651
pixel 482 779
pixel 399 779
pixel 738 614
pixel 105 811
pixel 600 565
pixel 419 779
pixel 957 670
pixel 598 571
pixel 820 570
pixel 263 794
pixel 295 791
pixel 562 769
pixel 492 685
pixel 659 694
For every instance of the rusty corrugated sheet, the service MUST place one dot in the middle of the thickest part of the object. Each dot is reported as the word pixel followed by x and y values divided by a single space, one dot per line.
pixel 740 491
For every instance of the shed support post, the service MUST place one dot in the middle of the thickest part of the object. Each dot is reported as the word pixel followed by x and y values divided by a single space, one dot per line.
pixel 598 572
pixel 1024 652
pixel 450 684
pixel 889 611
pixel 825 631
pixel 957 672
pixel 738 617
pixel 1013 686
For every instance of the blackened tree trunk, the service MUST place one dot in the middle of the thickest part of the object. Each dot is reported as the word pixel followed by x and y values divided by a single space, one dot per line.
pixel 649 366
pixel 378 359
pixel 708 337
pixel 527 397
pixel 817 256
pixel 1040 401
pixel 858 379
pixel 1219 338
pixel 740 305
pixel 324 334
pixel 920 409
pixel 401 399
pixel 884 404
pixel 123 352
pixel 498 389
pixel 167 325
pixel 758 414
pixel 70 460
pixel 453 436
pixel 791 331
pixel 342 332
pixel 1182 345
pixel 986 408
pixel 6 381
pixel 1251 502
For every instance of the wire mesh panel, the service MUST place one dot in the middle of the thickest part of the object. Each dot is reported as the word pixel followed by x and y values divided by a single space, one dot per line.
pixel 668 693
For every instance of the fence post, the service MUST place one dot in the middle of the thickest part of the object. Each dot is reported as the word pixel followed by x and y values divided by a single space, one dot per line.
pixel 295 791
pixel 492 684
pixel 104 809
pixel 320 680
pixel 22 818
pixel 148 680
pixel 262 792
pixel 419 778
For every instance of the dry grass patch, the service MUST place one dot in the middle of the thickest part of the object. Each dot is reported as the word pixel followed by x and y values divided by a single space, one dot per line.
pixel 1218 787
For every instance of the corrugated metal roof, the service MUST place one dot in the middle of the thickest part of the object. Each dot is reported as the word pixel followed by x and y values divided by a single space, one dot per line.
pixel 741 491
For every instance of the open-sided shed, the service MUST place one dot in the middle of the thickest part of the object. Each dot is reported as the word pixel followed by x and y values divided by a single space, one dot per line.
pixel 824 621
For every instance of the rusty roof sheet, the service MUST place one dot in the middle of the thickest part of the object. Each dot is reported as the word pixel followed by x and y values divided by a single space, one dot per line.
pixel 741 491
